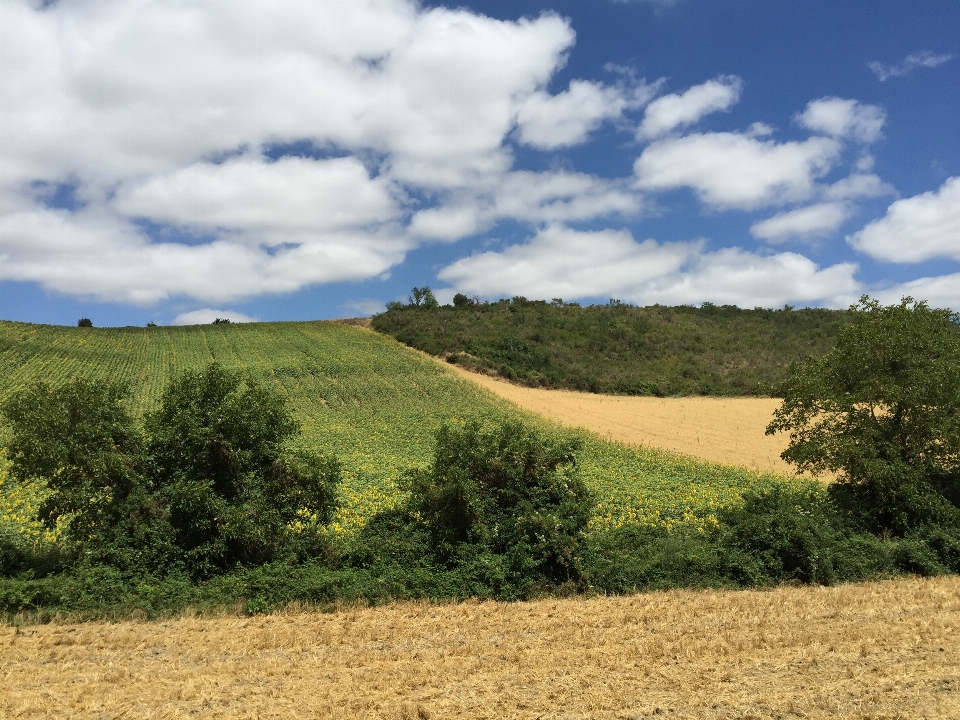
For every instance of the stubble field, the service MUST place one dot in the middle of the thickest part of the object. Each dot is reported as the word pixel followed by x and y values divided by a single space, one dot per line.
pixel 721 430
pixel 877 650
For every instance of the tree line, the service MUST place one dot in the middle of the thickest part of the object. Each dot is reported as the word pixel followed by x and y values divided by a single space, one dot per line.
pixel 616 348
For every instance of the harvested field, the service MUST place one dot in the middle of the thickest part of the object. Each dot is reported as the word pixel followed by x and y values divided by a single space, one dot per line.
pixel 878 650
pixel 724 430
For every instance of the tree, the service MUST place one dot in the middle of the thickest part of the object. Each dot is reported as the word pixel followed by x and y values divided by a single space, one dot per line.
pixel 84 322
pixel 882 410
pixel 215 455
pixel 80 440
pixel 461 301
pixel 423 298
pixel 503 490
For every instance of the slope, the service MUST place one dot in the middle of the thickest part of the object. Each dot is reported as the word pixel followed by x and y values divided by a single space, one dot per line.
pixel 362 396
pixel 618 348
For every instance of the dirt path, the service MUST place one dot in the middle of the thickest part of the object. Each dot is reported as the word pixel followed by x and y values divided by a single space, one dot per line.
pixel 879 650
pixel 725 430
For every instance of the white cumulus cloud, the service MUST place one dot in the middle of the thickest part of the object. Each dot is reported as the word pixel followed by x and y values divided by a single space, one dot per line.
pixel 168 112
pixel 550 121
pixel 732 170
pixel 677 110
pixel 810 221
pixel 562 262
pixel 843 118
pixel 942 291
pixel 273 201
pixel 915 229
pixel 534 197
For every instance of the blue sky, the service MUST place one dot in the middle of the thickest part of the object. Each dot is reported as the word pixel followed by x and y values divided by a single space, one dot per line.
pixel 176 162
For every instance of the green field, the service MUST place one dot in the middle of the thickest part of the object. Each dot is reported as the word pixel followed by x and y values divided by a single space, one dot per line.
pixel 373 402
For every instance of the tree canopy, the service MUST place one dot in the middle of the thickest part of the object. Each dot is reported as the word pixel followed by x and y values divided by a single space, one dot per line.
pixel 882 410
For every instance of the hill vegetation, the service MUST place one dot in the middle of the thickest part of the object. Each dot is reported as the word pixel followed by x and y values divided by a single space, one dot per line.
pixel 618 348
pixel 156 468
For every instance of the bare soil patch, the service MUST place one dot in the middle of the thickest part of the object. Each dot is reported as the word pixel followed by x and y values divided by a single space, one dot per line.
pixel 724 430
pixel 878 650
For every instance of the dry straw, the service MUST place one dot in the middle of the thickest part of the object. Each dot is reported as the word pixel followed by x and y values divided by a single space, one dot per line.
pixel 876 650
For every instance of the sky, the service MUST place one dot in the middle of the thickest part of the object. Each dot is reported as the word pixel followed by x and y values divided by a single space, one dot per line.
pixel 174 161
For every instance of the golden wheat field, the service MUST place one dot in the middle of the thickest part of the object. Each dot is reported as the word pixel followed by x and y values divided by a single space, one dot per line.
pixel 877 650
pixel 724 430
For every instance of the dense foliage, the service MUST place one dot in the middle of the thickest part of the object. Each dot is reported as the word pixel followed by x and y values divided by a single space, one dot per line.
pixel 207 487
pixel 201 490
pixel 882 409
pixel 507 494
pixel 618 348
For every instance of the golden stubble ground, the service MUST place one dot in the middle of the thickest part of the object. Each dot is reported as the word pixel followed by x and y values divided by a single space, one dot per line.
pixel 877 650
pixel 723 430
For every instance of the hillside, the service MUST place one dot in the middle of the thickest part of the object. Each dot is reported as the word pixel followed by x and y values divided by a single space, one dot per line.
pixel 362 396
pixel 618 348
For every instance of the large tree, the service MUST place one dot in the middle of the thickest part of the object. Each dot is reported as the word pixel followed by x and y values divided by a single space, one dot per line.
pixel 882 410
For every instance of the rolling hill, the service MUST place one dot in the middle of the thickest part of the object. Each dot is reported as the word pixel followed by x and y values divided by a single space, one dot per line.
pixel 618 348
pixel 360 395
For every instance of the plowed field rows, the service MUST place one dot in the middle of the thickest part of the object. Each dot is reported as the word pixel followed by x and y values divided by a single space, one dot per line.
pixel 879 650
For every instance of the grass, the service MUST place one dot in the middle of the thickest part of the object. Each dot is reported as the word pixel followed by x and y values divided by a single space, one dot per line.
pixel 371 401
pixel 618 348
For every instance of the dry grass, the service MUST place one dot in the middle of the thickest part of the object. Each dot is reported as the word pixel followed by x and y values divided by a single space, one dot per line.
pixel 724 430
pixel 879 650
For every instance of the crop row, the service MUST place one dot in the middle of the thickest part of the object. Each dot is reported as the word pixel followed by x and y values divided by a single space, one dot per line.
pixel 359 395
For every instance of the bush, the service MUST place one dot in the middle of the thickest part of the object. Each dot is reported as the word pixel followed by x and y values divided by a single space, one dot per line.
pixel 635 558
pixel 503 502
pixel 80 440
pixel 215 457
pixel 208 488
pixel 786 534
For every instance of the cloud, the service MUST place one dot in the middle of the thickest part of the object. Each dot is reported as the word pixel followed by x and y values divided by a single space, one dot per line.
pixel 275 202
pixel 858 185
pixel 677 110
pixel 916 228
pixel 562 262
pixel 364 307
pixel 208 315
pixel 732 170
pixel 528 197
pixel 844 119
pixel 939 292
pixel 167 111
pixel 811 221
pixel 910 63
pixel 93 253
pixel 551 121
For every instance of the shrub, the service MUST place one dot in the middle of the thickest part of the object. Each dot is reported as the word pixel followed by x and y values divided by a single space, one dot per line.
pixel 214 456
pixel 781 534
pixel 500 497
